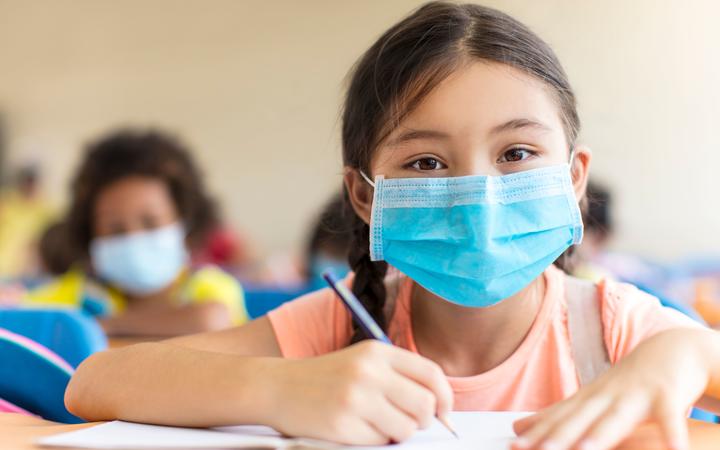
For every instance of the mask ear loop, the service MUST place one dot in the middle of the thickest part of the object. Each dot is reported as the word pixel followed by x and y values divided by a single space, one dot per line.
pixel 369 181
pixel 571 160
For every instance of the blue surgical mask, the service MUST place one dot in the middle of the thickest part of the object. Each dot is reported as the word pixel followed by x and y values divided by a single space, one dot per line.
pixel 475 240
pixel 141 263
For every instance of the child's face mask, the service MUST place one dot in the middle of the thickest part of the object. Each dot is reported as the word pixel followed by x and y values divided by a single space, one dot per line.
pixel 141 263
pixel 475 240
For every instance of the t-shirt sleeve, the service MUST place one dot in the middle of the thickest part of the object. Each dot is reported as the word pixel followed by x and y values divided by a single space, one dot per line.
pixel 312 325
pixel 630 316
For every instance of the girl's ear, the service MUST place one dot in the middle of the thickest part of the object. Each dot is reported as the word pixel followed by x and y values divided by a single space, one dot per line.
pixel 360 193
pixel 580 169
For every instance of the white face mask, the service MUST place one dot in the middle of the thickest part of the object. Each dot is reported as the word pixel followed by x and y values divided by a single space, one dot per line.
pixel 141 263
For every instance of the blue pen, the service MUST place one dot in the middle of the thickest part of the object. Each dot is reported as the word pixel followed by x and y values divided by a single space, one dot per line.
pixel 366 322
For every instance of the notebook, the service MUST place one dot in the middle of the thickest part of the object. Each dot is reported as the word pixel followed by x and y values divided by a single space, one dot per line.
pixel 486 430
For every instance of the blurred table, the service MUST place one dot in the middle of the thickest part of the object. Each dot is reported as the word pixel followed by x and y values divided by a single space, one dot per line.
pixel 19 432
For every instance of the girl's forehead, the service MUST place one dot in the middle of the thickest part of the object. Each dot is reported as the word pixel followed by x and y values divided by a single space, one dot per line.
pixel 133 192
pixel 480 97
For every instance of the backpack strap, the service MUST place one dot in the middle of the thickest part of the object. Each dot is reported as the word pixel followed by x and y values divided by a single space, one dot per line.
pixel 585 329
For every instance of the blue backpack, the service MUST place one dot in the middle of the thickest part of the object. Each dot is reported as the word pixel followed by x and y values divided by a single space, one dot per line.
pixel 71 334
pixel 34 378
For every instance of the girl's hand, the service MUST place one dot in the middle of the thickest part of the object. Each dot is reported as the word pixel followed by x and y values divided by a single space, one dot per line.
pixel 659 381
pixel 367 394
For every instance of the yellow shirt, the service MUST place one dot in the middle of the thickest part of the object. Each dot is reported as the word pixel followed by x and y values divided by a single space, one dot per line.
pixel 76 290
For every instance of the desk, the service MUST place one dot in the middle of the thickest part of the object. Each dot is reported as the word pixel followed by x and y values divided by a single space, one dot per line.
pixel 18 432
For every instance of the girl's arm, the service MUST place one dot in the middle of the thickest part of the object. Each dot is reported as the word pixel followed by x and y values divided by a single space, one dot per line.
pixel 659 381
pixel 180 381
pixel 168 320
pixel 369 393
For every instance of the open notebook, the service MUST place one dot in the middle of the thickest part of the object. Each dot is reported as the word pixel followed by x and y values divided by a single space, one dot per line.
pixel 486 430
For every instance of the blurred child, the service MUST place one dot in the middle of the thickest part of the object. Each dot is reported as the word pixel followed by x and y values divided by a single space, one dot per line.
pixel 138 200
pixel 598 229
pixel 24 213
pixel 329 243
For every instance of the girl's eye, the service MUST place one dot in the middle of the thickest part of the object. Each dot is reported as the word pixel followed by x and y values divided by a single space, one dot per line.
pixel 149 222
pixel 428 164
pixel 116 229
pixel 516 154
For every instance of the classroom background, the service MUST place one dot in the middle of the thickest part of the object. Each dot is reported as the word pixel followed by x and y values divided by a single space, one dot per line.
pixel 254 90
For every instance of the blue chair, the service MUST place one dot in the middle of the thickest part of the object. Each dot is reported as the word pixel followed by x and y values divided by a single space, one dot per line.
pixel 71 334
pixel 261 299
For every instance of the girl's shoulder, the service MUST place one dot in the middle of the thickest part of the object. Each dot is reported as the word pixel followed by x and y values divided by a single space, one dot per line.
pixel 210 280
pixel 211 283
pixel 630 316
pixel 63 290
pixel 75 289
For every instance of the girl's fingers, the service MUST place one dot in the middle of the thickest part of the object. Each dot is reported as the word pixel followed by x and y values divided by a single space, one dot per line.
pixel 413 399
pixel 673 424
pixel 521 426
pixel 574 423
pixel 391 422
pixel 360 432
pixel 426 373
pixel 537 426
pixel 617 422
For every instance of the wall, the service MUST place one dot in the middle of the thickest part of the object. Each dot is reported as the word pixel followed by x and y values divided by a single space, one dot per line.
pixel 255 88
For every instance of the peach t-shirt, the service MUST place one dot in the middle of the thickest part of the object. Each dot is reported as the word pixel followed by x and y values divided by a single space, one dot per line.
pixel 539 373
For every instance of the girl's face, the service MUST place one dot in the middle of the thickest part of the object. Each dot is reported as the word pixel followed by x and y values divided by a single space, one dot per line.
pixel 484 119
pixel 131 205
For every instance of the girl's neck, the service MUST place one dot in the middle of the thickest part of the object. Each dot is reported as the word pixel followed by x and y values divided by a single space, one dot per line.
pixel 468 341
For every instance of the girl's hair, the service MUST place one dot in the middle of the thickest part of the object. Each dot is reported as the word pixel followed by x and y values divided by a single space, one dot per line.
pixel 153 154
pixel 402 67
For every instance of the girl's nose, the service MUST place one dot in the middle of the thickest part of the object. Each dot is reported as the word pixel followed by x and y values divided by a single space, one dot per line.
pixel 476 163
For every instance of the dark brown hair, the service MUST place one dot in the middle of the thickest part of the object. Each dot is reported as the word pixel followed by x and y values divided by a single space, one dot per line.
pixel 402 67
pixel 56 252
pixel 151 154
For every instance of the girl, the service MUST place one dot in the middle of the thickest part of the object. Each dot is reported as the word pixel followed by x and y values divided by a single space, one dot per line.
pixel 461 163
pixel 138 202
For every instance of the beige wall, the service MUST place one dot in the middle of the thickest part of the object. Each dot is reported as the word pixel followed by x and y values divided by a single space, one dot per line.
pixel 255 87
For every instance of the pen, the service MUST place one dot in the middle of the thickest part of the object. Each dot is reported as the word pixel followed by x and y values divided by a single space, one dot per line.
pixel 366 322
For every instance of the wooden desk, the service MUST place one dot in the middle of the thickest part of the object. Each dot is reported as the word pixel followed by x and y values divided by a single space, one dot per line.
pixel 19 432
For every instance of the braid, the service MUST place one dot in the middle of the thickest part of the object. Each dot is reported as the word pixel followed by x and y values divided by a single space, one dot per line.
pixel 369 283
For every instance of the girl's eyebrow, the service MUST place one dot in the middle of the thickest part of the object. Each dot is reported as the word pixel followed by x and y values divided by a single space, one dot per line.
pixel 412 134
pixel 516 124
